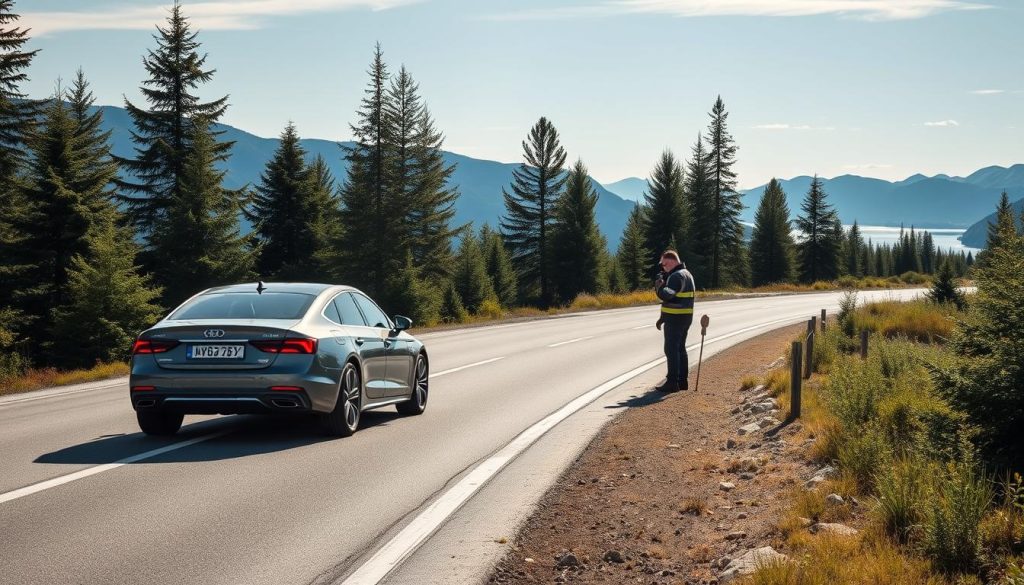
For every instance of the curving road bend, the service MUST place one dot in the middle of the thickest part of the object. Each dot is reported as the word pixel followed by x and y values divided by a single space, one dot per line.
pixel 86 498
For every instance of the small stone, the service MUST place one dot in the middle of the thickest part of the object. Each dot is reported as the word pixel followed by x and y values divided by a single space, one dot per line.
pixel 834 500
pixel 769 421
pixel 747 429
pixel 613 556
pixel 672 446
pixel 826 472
pixel 529 560
pixel 814 482
pixel 726 486
pixel 741 516
pixel 730 444
pixel 830 528
pixel 666 573
pixel 748 563
pixel 805 522
pixel 568 560
pixel 747 475
pixel 581 482
pixel 736 535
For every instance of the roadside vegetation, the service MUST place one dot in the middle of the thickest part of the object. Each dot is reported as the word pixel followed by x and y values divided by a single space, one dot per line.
pixel 924 437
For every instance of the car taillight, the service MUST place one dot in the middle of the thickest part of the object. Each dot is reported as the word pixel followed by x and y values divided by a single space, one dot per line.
pixel 297 345
pixel 152 346
pixel 143 388
pixel 286 389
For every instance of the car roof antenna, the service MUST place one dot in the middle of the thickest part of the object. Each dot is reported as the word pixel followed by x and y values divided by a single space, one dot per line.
pixel 260 288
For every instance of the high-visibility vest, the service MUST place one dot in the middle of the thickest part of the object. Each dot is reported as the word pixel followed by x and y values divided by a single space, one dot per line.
pixel 677 293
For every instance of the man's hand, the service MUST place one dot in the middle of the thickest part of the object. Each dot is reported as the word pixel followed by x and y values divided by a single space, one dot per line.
pixel 658 323
pixel 659 283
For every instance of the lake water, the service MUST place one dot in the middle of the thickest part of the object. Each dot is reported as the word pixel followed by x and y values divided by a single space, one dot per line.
pixel 944 238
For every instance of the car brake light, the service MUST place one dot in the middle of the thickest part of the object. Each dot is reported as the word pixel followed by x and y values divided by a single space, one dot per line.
pixel 303 345
pixel 143 388
pixel 152 346
pixel 286 388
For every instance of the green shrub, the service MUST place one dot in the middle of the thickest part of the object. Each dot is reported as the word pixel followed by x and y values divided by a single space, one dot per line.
pixel 911 277
pixel 863 455
pixel 902 497
pixel 853 393
pixel 847 306
pixel 952 538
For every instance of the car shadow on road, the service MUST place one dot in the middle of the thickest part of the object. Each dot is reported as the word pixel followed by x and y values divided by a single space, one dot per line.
pixel 646 399
pixel 245 436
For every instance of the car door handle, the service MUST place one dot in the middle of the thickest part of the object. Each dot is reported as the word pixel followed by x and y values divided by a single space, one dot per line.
pixel 359 340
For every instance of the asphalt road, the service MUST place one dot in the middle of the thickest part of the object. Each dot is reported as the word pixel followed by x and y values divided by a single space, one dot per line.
pixel 263 500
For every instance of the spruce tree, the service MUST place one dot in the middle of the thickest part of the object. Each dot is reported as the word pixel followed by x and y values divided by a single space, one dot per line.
pixel 198 234
pixel 413 295
pixel 725 250
pixel 818 248
pixel 1005 228
pixel 854 256
pixel 290 213
pixel 326 227
pixel 499 266
pixel 471 279
pixel 17 117
pixel 633 256
pixel 452 310
pixel 944 287
pixel 667 219
pixel 109 302
pixel 771 249
pixel 578 246
pixel 700 196
pixel 162 132
pixel 67 197
pixel 536 186
pixel 928 264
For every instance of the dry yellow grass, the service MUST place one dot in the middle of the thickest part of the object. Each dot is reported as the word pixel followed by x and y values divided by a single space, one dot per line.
pixel 917 320
pixel 47 377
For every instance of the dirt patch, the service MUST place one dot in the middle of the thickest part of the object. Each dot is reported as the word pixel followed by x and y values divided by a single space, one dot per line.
pixel 667 490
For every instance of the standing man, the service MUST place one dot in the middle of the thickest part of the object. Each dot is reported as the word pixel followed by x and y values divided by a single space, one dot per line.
pixel 675 288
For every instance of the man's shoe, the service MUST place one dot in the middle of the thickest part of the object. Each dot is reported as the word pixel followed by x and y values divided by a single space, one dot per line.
pixel 683 386
pixel 666 387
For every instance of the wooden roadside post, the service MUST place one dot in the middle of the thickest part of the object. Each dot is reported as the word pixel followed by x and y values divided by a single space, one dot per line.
pixel 795 381
pixel 809 358
pixel 864 344
pixel 823 320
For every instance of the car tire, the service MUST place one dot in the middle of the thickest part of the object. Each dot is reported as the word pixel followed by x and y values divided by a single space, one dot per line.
pixel 417 402
pixel 159 423
pixel 344 419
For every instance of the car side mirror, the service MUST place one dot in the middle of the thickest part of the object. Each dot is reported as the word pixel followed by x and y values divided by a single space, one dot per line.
pixel 402 323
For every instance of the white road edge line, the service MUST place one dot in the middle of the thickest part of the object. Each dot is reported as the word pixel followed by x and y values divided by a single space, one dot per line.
pixel 410 538
pixel 460 368
pixel 642 327
pixel 57 394
pixel 58 481
pixel 571 341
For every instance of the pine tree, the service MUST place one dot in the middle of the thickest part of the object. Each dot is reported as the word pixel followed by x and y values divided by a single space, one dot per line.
pixel 109 302
pixel 818 248
pixel 578 246
pixel 854 256
pixel 67 197
pixel 632 254
pixel 413 295
pixel 471 279
pixel 499 266
pixel 1005 228
pixel 162 132
pixel 725 249
pixel 17 117
pixel 326 227
pixel 290 212
pixel 771 249
pixel 928 264
pixel 667 218
pixel 944 288
pixel 700 197
pixel 452 310
pixel 536 186
pixel 198 235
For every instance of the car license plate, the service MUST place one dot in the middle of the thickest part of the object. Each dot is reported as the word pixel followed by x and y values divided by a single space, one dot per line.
pixel 215 352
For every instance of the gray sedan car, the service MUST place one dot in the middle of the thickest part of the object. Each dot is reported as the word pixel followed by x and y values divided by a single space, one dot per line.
pixel 277 348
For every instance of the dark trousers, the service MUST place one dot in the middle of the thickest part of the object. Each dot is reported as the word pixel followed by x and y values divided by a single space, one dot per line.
pixel 675 329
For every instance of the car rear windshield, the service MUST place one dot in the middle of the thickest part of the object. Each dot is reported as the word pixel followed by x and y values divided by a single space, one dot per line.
pixel 245 306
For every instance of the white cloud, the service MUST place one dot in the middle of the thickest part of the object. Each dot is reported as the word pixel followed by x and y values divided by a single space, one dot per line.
pixel 792 127
pixel 942 124
pixel 988 91
pixel 863 9
pixel 211 15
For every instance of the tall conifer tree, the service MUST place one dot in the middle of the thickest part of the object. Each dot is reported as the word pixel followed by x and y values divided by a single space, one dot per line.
pixel 771 249
pixel 854 244
pixel 471 279
pixel 162 132
pixel 700 196
pixel 727 260
pixel 536 186
pixel 579 247
pixel 818 248
pixel 499 266
pixel 667 219
pixel 633 256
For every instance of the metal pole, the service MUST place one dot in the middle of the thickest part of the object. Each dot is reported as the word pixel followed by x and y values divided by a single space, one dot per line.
pixel 704 322
pixel 809 358
pixel 864 344
pixel 794 382
pixel 823 320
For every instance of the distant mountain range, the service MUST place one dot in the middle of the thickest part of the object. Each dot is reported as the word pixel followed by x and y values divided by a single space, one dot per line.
pixel 479 181
pixel 976 235
pixel 940 201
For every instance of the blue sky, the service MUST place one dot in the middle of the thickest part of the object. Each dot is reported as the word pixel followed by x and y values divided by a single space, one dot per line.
pixel 882 88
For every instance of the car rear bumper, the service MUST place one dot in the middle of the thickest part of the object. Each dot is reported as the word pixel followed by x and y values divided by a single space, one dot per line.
pixel 240 403
pixel 206 393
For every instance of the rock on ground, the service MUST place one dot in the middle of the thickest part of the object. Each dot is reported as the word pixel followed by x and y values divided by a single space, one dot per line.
pixel 749 561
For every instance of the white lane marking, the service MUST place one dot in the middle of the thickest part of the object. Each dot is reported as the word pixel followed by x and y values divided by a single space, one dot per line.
pixel 58 481
pixel 410 538
pixel 642 327
pixel 56 394
pixel 571 341
pixel 460 368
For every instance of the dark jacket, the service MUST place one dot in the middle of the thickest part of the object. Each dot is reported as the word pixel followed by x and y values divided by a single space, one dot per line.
pixel 676 294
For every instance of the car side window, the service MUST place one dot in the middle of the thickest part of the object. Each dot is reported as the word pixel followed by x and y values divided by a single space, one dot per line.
pixel 372 313
pixel 331 312
pixel 350 314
